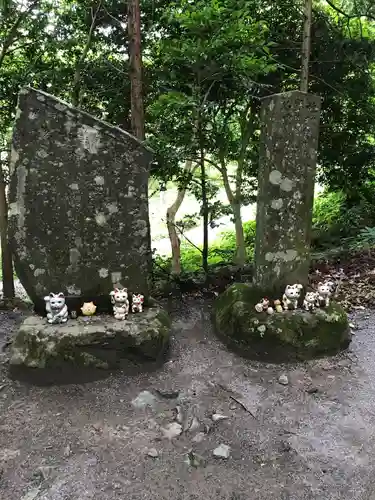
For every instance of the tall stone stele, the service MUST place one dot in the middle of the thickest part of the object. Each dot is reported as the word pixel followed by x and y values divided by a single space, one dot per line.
pixel 289 141
pixel 288 155
pixel 78 218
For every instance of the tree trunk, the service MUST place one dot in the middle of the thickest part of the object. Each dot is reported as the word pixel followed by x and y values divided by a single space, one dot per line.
pixel 240 256
pixel 6 255
pixel 205 210
pixel 306 46
pixel 171 223
pixel 135 68
pixel 204 213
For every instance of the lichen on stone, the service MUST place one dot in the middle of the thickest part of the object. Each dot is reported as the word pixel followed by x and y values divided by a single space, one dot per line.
pixel 56 197
pixel 286 184
pixel 100 342
pixel 280 337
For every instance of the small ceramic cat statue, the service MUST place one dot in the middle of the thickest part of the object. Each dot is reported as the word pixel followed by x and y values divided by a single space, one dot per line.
pixel 137 302
pixel 324 293
pixel 88 308
pixel 120 301
pixel 263 305
pixel 332 285
pixel 310 301
pixel 278 306
pixel 57 310
pixel 291 295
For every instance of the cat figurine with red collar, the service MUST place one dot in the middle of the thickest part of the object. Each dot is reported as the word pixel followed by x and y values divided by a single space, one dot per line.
pixel 137 302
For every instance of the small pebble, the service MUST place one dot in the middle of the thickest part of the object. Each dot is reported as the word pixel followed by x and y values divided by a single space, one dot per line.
pixel 198 438
pixel 216 417
pixel 32 494
pixel 153 453
pixel 222 451
pixel 168 394
pixel 145 398
pixel 194 425
pixel 179 415
pixel 283 379
pixel 172 430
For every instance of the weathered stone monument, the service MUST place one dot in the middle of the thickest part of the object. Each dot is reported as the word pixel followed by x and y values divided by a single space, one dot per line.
pixel 288 154
pixel 78 224
pixel 78 207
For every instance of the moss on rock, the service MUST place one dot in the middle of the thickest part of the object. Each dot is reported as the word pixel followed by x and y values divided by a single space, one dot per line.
pixel 279 337
pixel 96 342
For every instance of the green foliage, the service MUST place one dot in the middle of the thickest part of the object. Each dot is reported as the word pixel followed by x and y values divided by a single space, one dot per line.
pixel 335 228
pixel 206 64
pixel 342 73
pixel 221 251
pixel 337 223
pixel 365 239
pixel 189 221
pixel 328 208
pixel 205 68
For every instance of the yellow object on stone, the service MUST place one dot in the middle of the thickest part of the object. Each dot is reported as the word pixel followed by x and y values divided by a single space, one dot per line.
pixel 88 308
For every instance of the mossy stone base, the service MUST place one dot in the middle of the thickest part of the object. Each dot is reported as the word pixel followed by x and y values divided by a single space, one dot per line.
pixel 92 342
pixel 279 337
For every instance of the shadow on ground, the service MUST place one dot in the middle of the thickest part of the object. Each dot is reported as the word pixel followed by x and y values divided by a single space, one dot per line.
pixel 310 439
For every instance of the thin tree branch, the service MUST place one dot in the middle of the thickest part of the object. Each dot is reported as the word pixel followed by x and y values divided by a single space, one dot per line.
pixel 349 16
pixel 183 235
pixel 11 37
pixel 77 73
pixel 120 23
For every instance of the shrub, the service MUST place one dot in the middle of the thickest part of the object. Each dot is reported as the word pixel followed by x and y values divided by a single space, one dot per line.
pixel 220 251
pixel 335 223
pixel 336 228
pixel 365 239
pixel 328 208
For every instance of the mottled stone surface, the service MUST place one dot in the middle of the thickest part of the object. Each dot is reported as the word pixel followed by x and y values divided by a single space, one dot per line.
pixel 96 342
pixel 279 337
pixel 288 152
pixel 78 213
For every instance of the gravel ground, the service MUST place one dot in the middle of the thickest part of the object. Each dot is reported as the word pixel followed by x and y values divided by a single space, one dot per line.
pixel 312 438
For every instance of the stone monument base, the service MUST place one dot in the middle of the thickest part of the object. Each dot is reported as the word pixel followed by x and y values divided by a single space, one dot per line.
pixel 280 337
pixel 91 342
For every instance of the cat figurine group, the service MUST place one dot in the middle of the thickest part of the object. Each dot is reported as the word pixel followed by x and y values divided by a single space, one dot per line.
pixel 312 300
pixel 57 310
pixel 120 302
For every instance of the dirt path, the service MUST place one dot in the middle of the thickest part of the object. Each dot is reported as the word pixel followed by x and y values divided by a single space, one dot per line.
pixel 311 439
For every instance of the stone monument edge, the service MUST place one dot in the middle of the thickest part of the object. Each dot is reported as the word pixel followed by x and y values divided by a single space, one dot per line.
pixel 291 92
pixel 106 125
